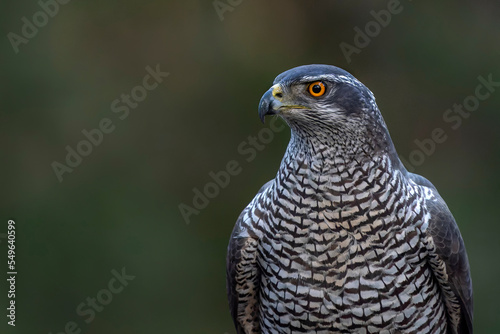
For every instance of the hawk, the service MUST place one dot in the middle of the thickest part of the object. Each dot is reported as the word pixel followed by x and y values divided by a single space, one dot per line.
pixel 344 239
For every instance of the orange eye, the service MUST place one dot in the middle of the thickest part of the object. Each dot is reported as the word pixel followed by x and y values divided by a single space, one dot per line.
pixel 317 89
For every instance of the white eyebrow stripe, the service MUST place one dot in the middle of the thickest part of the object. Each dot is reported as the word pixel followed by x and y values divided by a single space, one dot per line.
pixel 319 77
pixel 334 78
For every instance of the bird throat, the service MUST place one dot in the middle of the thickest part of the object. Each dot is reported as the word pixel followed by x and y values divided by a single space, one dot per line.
pixel 337 184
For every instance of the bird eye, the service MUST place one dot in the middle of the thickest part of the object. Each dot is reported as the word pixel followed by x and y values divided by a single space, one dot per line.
pixel 317 89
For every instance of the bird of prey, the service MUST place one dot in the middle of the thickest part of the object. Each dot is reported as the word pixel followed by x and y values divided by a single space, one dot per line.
pixel 344 239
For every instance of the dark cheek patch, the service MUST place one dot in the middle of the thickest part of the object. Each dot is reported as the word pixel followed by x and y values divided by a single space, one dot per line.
pixel 348 99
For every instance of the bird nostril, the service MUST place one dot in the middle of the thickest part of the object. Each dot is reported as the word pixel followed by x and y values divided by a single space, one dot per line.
pixel 278 95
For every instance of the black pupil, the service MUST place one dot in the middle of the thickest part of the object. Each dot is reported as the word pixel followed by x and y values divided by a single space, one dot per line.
pixel 316 89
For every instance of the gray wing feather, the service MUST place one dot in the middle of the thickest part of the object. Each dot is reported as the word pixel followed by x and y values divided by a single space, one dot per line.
pixel 243 276
pixel 451 250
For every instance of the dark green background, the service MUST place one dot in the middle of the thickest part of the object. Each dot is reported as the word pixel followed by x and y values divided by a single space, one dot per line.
pixel 119 208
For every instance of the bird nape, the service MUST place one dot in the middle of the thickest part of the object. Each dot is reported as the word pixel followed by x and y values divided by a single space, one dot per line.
pixel 344 239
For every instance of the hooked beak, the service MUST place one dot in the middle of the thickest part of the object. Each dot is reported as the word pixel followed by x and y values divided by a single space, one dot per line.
pixel 268 105
pixel 273 102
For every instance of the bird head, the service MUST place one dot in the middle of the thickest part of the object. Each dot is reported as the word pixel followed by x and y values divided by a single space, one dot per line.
pixel 328 104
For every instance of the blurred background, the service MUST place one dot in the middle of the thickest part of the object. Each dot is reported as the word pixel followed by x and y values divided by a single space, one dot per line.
pixel 120 207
